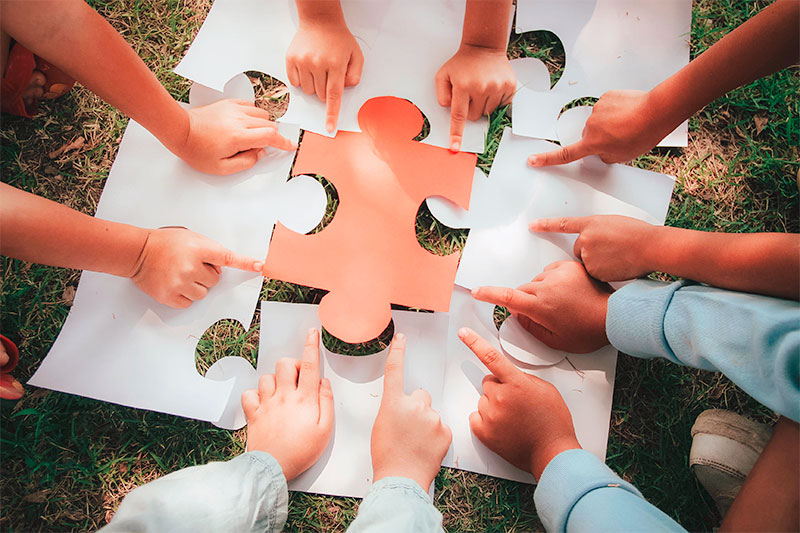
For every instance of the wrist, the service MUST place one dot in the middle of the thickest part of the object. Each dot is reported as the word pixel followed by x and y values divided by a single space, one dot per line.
pixel 664 112
pixel 541 456
pixel 481 48
pixel 173 128
pixel 655 245
pixel 424 481
pixel 139 238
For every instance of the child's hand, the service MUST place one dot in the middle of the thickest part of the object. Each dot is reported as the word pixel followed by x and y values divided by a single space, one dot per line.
pixel 229 136
pixel 562 307
pixel 623 125
pixel 177 266
pixel 324 59
pixel 611 247
pixel 521 418
pixel 408 438
pixel 473 83
pixel 290 416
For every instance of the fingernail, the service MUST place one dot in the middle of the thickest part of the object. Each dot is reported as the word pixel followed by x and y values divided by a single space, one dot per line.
pixel 399 337
pixel 475 292
pixel 258 265
pixel 261 153
pixel 462 333
pixel 312 332
pixel 455 147
pixel 330 126
pixel 533 160
pixel 533 225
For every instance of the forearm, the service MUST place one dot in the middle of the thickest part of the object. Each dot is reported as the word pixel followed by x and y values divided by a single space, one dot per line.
pixel 764 44
pixel 318 13
pixel 41 231
pixel 396 504
pixel 754 340
pixel 761 263
pixel 486 24
pixel 72 36
pixel 577 492
pixel 247 493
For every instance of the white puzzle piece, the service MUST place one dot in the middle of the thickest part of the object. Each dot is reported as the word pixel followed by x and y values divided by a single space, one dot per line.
pixel 121 346
pixel 404 44
pixel 501 250
pixel 609 45
pixel 345 468
pixel 586 382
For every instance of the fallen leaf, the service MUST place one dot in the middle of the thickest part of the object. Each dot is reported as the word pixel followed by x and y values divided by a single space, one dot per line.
pixel 75 144
pixel 761 121
pixel 37 497
pixel 68 296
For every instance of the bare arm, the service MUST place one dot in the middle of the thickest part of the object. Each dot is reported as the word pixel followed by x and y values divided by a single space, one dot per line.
pixel 616 248
pixel 625 124
pixel 173 265
pixel 762 263
pixel 70 34
pixel 221 138
pixel 39 230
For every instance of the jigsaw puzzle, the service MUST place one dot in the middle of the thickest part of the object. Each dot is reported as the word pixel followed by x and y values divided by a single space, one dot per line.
pixel 404 44
pixel 608 44
pixel 500 249
pixel 368 257
pixel 345 468
pixel 121 346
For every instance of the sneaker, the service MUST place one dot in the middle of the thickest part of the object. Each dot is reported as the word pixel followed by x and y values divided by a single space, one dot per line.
pixel 725 447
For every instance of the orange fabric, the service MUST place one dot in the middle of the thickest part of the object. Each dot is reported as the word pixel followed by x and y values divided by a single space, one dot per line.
pixel 368 257
pixel 10 388
pixel 20 66
pixel 17 77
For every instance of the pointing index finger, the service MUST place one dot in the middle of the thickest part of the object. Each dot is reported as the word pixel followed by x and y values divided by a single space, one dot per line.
pixel 227 258
pixel 334 89
pixel 496 362
pixel 393 376
pixel 459 107
pixel 309 365
pixel 559 225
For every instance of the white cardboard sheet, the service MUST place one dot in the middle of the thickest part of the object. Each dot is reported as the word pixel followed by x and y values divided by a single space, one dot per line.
pixel 586 382
pixel 404 44
pixel 121 346
pixel 345 468
pixel 609 45
pixel 501 250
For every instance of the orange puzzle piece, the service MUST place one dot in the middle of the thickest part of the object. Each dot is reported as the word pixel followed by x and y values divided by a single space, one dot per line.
pixel 368 257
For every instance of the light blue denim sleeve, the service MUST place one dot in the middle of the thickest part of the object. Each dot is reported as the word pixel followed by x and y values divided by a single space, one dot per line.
pixel 752 339
pixel 577 492
pixel 247 493
pixel 397 504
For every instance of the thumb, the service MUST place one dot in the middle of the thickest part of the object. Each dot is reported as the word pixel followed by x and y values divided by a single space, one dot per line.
pixel 221 256
pixel 241 161
pixel 563 155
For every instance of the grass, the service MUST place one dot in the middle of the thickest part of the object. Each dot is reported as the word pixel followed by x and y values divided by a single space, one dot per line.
pixel 66 461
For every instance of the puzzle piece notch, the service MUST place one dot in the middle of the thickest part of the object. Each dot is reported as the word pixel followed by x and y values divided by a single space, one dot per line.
pixel 404 44
pixel 118 344
pixel 609 45
pixel 381 176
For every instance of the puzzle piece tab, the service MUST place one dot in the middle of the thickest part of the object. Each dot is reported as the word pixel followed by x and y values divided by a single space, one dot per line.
pixel 368 257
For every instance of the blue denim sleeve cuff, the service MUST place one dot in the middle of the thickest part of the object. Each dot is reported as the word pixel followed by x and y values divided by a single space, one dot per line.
pixel 635 318
pixel 397 504
pixel 568 478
